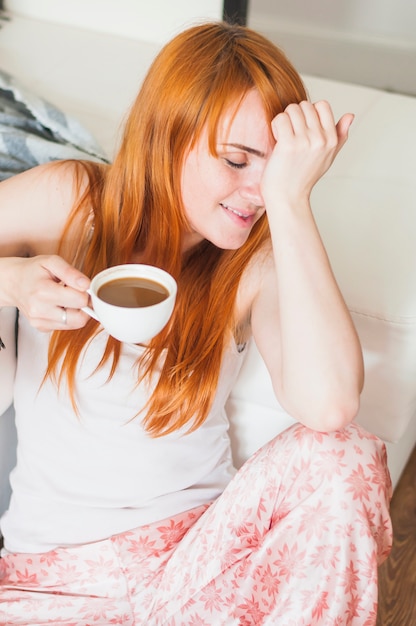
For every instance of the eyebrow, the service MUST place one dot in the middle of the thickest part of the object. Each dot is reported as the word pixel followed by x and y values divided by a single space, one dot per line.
pixel 240 146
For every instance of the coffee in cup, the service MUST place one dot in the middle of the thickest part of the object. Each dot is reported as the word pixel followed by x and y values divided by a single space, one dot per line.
pixel 133 302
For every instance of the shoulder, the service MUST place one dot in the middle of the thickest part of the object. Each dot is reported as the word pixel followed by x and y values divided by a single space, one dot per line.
pixel 53 181
pixel 35 205
pixel 53 170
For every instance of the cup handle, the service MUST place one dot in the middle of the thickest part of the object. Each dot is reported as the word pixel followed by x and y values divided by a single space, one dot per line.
pixel 89 310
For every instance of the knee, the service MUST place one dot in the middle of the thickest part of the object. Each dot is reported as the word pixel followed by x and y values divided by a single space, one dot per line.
pixel 355 456
pixel 337 481
pixel 350 462
pixel 340 478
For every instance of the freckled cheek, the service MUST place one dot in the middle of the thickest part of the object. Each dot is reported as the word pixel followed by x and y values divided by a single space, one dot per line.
pixel 191 193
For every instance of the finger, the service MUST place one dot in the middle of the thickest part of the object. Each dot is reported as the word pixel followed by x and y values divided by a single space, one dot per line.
pixel 70 318
pixel 299 114
pixel 324 114
pixel 338 131
pixel 320 119
pixel 343 126
pixel 70 298
pixel 282 127
pixel 327 120
pixel 62 271
pixel 61 319
pixel 312 116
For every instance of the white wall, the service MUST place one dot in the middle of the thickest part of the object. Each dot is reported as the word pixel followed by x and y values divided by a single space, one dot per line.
pixel 149 20
pixel 371 42
pixel 386 18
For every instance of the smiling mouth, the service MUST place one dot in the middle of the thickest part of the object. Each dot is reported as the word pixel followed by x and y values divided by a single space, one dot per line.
pixel 235 212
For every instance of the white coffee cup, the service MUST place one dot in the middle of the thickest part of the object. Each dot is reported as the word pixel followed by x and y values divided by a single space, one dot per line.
pixel 120 301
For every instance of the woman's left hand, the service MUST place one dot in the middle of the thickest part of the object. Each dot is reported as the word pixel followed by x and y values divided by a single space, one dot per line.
pixel 299 319
pixel 307 142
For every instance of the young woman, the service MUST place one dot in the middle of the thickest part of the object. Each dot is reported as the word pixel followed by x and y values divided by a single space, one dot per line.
pixel 126 508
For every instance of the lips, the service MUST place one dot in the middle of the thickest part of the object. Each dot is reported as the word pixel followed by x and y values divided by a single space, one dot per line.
pixel 244 216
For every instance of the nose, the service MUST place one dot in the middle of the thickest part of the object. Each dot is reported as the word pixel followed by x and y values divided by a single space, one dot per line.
pixel 250 190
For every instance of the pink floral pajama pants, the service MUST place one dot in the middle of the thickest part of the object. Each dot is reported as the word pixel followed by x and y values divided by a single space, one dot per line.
pixel 294 540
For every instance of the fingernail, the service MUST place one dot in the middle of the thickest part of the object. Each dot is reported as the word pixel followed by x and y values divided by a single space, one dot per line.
pixel 83 282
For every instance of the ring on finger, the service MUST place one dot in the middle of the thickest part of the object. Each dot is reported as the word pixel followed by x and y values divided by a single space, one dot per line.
pixel 64 316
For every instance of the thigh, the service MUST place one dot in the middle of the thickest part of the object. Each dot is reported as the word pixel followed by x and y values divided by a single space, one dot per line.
pixel 77 586
pixel 106 582
pixel 295 538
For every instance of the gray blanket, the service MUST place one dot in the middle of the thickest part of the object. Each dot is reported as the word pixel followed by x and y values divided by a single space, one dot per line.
pixel 34 131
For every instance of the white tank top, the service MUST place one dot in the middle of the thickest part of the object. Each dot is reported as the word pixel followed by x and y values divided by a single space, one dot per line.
pixel 82 478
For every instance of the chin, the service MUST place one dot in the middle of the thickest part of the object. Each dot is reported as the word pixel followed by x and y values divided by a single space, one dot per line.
pixel 231 245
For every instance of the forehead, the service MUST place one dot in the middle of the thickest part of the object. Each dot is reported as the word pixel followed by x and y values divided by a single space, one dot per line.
pixel 246 124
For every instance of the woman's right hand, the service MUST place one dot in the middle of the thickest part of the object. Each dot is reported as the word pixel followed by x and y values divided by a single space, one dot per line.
pixel 47 290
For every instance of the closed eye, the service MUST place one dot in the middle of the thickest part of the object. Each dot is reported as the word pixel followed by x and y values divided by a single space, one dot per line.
pixel 235 165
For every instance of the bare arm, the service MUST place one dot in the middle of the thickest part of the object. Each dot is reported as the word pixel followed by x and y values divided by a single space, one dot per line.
pixel 299 319
pixel 34 207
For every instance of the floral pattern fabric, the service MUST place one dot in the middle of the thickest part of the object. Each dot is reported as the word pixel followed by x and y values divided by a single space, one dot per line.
pixel 294 540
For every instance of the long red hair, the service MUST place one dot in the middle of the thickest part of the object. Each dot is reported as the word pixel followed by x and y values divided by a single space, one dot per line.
pixel 137 206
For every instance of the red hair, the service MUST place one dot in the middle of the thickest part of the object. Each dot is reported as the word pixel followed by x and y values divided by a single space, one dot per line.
pixel 137 206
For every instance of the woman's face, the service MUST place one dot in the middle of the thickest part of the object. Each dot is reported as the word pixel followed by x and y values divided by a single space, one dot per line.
pixel 221 194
